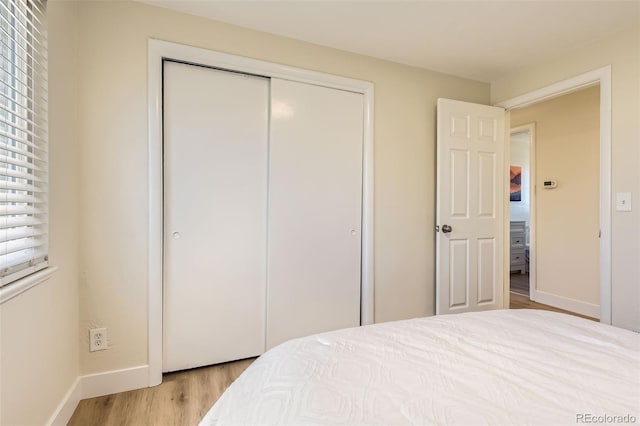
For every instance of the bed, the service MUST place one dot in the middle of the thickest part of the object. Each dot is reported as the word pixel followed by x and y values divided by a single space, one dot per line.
pixel 504 367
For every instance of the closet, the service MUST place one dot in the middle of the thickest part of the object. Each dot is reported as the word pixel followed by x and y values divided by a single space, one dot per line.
pixel 262 213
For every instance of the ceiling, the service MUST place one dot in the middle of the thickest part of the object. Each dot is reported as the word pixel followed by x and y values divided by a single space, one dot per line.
pixel 480 40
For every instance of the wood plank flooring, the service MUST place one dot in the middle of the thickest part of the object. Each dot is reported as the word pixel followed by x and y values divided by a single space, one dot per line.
pixel 518 301
pixel 519 283
pixel 184 398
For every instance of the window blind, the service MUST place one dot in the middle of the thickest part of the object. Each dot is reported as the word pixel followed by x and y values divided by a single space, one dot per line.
pixel 23 139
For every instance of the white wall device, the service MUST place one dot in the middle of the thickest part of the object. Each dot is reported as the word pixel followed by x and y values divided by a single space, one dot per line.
pixel 623 201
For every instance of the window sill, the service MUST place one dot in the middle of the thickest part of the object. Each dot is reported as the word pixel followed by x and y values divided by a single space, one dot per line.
pixel 10 291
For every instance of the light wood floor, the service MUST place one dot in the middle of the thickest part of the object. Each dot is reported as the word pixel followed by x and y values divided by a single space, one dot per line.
pixel 518 301
pixel 519 286
pixel 519 283
pixel 184 398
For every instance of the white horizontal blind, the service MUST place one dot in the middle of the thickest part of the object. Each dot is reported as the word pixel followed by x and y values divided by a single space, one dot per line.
pixel 23 138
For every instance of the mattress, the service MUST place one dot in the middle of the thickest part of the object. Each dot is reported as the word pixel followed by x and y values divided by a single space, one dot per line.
pixel 502 367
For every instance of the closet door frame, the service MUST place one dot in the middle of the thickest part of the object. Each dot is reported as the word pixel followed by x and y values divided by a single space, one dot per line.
pixel 158 52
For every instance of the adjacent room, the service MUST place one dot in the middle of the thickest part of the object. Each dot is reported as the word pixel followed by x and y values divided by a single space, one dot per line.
pixel 556 145
pixel 371 212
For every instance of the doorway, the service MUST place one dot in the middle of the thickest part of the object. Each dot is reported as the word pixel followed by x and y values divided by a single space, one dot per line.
pixel 602 78
pixel 522 209
pixel 600 82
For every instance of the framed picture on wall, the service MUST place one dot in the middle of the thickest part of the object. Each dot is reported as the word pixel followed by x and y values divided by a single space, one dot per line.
pixel 516 183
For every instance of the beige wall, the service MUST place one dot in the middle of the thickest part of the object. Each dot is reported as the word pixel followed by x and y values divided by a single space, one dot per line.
pixel 113 104
pixel 39 328
pixel 567 149
pixel 623 54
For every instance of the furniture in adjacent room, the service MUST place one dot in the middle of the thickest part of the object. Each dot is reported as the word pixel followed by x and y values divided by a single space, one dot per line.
pixel 518 238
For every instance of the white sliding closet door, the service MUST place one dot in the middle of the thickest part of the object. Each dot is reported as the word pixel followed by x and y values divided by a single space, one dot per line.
pixel 315 204
pixel 215 210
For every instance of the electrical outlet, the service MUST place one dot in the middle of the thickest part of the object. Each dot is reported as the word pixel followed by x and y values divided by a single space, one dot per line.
pixel 97 339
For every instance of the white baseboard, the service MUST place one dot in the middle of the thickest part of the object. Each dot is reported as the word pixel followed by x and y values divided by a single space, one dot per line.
pixel 115 381
pixel 577 306
pixel 65 409
pixel 99 384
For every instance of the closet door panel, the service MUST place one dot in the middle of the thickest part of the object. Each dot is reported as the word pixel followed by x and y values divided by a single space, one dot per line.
pixel 315 200
pixel 215 189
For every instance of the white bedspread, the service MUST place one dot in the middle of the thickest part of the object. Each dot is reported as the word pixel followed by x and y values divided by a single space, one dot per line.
pixel 508 367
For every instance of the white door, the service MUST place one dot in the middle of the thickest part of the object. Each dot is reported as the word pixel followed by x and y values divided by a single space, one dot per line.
pixel 315 209
pixel 469 207
pixel 215 209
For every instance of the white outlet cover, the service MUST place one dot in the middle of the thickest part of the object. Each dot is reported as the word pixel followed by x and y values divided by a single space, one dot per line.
pixel 623 201
pixel 97 339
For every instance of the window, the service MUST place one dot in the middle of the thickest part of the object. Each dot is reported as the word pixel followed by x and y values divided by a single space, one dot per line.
pixel 23 139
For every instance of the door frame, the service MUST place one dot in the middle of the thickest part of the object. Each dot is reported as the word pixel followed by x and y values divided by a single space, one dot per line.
pixel 158 51
pixel 530 129
pixel 601 76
